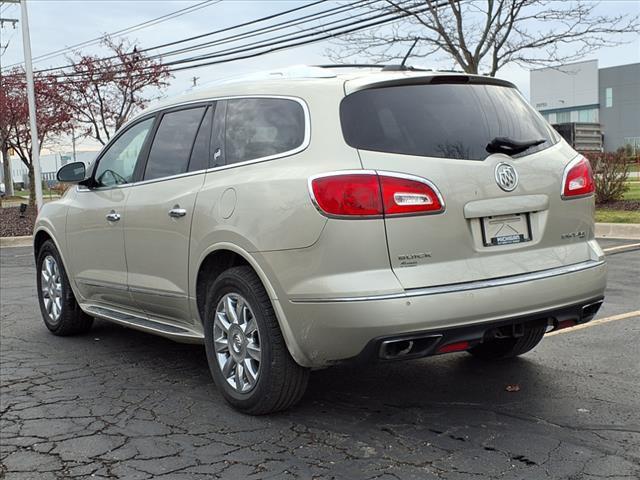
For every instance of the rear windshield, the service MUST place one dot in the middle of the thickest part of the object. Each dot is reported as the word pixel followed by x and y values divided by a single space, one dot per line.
pixel 443 120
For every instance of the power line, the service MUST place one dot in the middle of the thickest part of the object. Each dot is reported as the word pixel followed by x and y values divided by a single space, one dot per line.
pixel 121 32
pixel 285 25
pixel 214 32
pixel 359 25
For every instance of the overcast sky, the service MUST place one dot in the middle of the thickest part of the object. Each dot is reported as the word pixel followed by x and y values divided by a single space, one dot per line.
pixel 58 24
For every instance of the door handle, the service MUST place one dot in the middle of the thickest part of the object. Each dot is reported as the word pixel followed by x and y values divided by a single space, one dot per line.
pixel 177 212
pixel 112 216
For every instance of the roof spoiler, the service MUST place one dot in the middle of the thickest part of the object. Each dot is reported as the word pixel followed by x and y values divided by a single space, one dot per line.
pixel 430 80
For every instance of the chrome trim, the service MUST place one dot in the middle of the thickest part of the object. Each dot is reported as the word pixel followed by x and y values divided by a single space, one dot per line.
pixel 496 175
pixel 303 146
pixel 145 323
pixel 126 288
pixel 113 216
pixel 177 212
pixel 153 291
pixel 463 287
pixel 92 283
pixel 568 167
pixel 385 173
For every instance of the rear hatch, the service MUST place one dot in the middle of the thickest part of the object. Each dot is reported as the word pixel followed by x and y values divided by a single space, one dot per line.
pixel 498 220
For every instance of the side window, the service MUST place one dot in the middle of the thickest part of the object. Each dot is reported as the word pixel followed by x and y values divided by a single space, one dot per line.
pixel 260 127
pixel 200 153
pixel 171 147
pixel 118 163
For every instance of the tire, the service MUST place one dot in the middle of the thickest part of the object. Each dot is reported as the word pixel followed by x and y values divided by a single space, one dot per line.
pixel 66 318
pixel 279 381
pixel 500 349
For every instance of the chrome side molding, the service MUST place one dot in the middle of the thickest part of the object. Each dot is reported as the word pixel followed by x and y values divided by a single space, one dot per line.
pixel 466 286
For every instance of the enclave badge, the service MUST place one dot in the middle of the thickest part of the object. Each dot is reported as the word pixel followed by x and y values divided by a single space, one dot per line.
pixel 506 177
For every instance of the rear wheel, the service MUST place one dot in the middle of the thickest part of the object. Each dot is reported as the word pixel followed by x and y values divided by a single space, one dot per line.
pixel 60 311
pixel 246 352
pixel 502 348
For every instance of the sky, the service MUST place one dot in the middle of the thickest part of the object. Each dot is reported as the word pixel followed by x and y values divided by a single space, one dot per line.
pixel 57 24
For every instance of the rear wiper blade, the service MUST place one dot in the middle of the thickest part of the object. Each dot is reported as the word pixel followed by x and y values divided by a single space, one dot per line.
pixel 510 146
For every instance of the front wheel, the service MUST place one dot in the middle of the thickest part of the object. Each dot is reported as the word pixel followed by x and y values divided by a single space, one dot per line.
pixel 503 348
pixel 246 352
pixel 60 310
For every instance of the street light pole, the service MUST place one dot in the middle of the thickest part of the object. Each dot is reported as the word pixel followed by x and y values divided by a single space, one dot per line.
pixel 35 144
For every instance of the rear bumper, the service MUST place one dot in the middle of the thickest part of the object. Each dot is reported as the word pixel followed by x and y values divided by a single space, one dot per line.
pixel 327 331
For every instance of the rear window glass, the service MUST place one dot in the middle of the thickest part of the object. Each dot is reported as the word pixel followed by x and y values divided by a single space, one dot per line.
pixel 443 120
pixel 261 127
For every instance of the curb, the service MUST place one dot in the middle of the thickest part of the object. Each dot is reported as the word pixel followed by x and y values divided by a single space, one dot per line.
pixel 629 231
pixel 25 241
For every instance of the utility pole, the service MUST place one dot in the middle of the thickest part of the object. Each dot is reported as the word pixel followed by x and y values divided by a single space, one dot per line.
pixel 35 144
pixel 195 80
pixel 73 142
pixel 4 145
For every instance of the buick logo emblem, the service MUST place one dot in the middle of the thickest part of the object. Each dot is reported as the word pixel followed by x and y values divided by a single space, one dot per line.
pixel 506 177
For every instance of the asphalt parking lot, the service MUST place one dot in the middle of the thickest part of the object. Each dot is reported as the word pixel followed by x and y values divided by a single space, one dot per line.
pixel 122 404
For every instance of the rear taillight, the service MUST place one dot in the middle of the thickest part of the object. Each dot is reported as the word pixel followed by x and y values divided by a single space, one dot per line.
pixel 577 180
pixel 367 194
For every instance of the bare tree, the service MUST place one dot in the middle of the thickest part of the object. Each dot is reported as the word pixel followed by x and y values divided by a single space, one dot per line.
pixel 482 36
pixel 104 92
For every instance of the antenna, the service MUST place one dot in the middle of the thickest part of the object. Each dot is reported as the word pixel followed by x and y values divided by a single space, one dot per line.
pixel 408 53
pixel 402 66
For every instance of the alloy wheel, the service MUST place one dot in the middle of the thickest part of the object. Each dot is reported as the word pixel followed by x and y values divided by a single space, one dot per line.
pixel 236 339
pixel 51 287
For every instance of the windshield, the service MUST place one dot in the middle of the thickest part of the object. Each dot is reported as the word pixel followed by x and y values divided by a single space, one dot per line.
pixel 443 120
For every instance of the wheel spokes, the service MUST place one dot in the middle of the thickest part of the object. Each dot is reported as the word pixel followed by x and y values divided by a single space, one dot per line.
pixel 230 310
pixel 253 351
pixel 221 345
pixel 236 342
pixel 250 372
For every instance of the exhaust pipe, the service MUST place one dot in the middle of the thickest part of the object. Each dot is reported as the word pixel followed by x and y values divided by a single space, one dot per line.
pixel 411 347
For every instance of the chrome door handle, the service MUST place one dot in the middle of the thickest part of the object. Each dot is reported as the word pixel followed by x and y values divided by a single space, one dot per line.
pixel 177 212
pixel 113 216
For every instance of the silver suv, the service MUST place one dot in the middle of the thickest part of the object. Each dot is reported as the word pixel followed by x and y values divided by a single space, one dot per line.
pixel 297 223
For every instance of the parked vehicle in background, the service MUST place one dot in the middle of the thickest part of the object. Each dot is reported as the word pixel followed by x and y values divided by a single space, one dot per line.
pixel 298 223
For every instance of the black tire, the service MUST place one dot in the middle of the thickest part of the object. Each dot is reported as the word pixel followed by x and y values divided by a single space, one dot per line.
pixel 281 382
pixel 72 319
pixel 504 348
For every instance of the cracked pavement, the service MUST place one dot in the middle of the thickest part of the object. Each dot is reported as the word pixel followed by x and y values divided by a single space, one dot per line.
pixel 117 403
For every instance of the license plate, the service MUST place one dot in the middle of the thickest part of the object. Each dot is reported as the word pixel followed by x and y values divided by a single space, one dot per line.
pixel 506 229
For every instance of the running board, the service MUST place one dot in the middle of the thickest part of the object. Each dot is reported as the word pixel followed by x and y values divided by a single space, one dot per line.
pixel 143 323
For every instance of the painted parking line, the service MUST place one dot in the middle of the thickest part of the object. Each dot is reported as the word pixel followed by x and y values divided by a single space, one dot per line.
pixel 621 247
pixel 595 323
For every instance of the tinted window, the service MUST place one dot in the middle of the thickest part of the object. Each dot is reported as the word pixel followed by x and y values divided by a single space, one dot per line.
pixel 260 127
pixel 118 163
pixel 444 120
pixel 171 148
pixel 200 153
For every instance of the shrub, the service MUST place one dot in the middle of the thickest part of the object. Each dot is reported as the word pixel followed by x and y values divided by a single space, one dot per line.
pixel 611 171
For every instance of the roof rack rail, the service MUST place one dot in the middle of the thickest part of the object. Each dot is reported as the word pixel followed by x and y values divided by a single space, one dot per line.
pixel 404 68
pixel 350 65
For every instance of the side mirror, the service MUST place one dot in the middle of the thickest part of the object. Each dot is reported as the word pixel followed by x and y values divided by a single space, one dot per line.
pixel 72 173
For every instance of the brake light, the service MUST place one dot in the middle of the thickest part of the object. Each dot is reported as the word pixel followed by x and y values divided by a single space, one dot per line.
pixel 367 194
pixel 578 179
